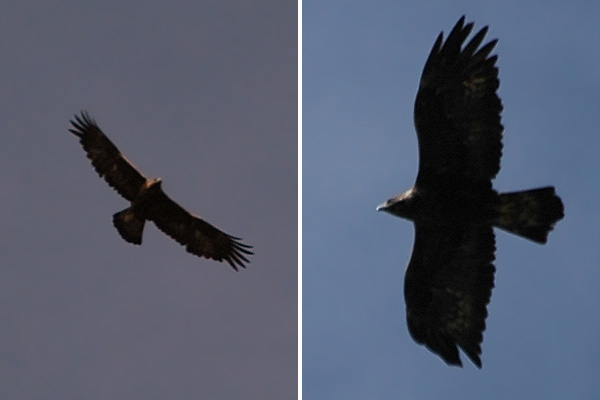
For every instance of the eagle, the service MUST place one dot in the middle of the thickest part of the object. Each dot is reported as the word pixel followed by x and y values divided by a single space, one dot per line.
pixel 453 206
pixel 150 203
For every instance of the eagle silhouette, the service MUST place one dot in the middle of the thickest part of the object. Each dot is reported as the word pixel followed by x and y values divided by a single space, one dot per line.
pixel 450 276
pixel 149 202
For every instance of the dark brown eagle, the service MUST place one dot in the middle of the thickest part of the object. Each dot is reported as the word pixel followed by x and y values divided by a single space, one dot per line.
pixel 453 206
pixel 149 202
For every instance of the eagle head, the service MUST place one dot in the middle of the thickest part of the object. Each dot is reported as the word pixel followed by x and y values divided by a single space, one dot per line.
pixel 150 187
pixel 157 182
pixel 402 205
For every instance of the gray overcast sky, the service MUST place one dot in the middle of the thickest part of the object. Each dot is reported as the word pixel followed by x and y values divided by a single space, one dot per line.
pixel 202 94
pixel 361 65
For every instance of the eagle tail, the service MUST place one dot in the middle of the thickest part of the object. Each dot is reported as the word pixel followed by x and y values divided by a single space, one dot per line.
pixel 130 225
pixel 531 214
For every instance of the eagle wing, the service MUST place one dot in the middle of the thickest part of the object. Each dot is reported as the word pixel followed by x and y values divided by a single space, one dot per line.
pixel 447 287
pixel 457 112
pixel 198 236
pixel 106 158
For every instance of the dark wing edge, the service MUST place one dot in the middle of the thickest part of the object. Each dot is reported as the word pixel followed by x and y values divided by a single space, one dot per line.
pixel 106 158
pixel 457 110
pixel 448 285
pixel 198 236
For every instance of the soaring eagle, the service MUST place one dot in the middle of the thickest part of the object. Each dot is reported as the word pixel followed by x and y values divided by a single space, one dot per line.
pixel 149 202
pixel 449 278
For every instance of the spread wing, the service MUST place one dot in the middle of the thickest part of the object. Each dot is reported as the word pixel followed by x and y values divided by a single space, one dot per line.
pixel 457 112
pixel 106 158
pixel 198 236
pixel 447 287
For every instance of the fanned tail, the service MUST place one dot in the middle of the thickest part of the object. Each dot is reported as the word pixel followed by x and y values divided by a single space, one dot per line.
pixel 531 214
pixel 130 225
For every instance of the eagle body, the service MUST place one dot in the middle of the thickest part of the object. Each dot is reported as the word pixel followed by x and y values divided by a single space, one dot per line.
pixel 150 203
pixel 457 205
pixel 453 205
pixel 145 206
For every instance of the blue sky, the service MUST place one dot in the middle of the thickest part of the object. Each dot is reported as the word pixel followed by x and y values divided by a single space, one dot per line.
pixel 201 94
pixel 361 65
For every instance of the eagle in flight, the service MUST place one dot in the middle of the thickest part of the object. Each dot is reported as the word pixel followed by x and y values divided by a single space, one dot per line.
pixel 149 202
pixel 453 206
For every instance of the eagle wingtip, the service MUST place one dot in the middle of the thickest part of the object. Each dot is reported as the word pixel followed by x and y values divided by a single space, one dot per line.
pixel 81 122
